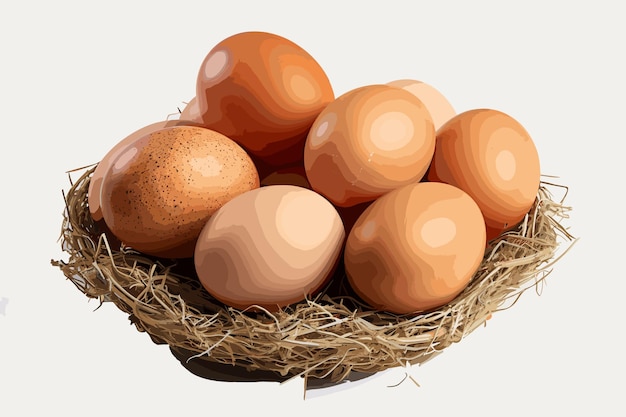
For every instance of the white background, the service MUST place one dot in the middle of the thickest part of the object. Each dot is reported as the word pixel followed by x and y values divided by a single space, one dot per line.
pixel 76 77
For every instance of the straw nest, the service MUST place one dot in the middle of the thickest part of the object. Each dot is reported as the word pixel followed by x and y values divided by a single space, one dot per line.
pixel 326 337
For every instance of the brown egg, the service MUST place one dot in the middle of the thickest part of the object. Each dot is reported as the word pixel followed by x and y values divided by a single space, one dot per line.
pixel 95 183
pixel 489 155
pixel 367 142
pixel 191 112
pixel 269 247
pixel 295 175
pixel 437 104
pixel 161 190
pixel 415 248
pixel 264 92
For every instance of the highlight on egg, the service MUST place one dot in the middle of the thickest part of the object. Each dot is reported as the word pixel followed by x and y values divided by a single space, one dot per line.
pixel 264 92
pixel 415 248
pixel 367 142
pixel 159 192
pixel 269 247
pixel 492 157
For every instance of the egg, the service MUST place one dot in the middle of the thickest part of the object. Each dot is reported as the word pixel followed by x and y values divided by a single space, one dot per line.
pixel 437 104
pixel 367 142
pixel 269 247
pixel 160 191
pixel 489 155
pixel 191 112
pixel 264 92
pixel 415 248
pixel 95 182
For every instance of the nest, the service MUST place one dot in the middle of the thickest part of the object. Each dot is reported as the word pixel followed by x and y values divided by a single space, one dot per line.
pixel 331 336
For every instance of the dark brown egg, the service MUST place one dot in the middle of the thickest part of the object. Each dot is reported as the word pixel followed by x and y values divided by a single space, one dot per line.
pixel 160 191
pixel 264 92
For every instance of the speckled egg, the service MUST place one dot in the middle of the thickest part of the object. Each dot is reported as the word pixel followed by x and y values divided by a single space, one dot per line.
pixel 95 183
pixel 160 191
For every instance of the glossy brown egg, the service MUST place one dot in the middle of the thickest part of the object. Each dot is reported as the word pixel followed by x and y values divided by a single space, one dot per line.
pixel 95 183
pixel 367 142
pixel 160 191
pixel 269 247
pixel 489 155
pixel 264 92
pixel 415 248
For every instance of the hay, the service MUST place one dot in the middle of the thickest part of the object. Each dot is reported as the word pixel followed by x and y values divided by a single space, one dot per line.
pixel 326 337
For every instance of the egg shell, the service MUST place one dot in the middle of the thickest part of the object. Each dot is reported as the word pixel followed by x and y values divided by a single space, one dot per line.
pixel 437 104
pixel 489 155
pixel 415 248
pixel 264 92
pixel 95 182
pixel 159 192
pixel 367 142
pixel 269 247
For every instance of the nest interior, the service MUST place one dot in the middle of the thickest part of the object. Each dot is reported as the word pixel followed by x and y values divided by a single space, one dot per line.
pixel 329 337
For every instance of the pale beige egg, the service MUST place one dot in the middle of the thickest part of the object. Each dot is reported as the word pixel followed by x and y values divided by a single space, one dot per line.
pixel 437 104
pixel 269 247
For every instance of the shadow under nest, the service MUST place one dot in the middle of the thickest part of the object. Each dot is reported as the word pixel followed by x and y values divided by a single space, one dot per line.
pixel 331 338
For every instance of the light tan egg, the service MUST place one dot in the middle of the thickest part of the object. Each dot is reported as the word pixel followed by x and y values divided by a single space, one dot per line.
pixel 269 247
pixel 415 248
pixel 489 155
pixel 368 142
pixel 159 192
pixel 437 104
